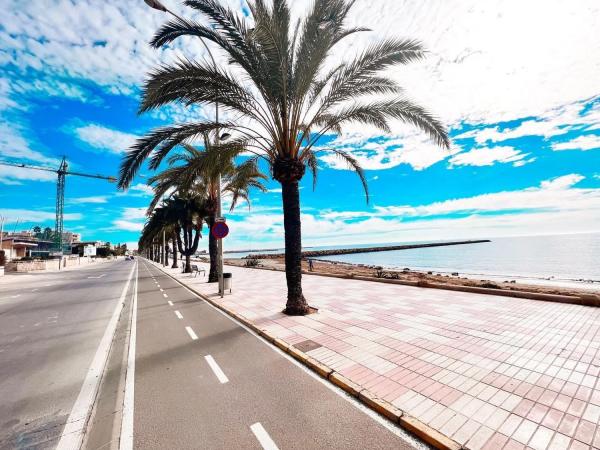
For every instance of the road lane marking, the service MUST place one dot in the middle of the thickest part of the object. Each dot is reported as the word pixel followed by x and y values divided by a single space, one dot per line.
pixel 191 333
pixel 216 369
pixel 100 276
pixel 170 303
pixel 178 314
pixel 162 290
pixel 165 295
pixel 158 285
pixel 126 441
pixel 35 290
pixel 263 437
pixel 75 426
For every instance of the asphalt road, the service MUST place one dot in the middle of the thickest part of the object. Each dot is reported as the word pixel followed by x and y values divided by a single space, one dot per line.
pixel 204 382
pixel 179 373
pixel 51 326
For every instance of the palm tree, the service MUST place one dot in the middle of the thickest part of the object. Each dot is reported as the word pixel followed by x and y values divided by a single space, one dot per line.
pixel 280 82
pixel 197 170
pixel 185 215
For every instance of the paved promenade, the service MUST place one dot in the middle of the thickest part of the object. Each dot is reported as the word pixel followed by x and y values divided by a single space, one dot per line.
pixel 488 372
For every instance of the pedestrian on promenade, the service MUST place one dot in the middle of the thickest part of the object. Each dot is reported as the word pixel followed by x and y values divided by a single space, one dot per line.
pixel 310 265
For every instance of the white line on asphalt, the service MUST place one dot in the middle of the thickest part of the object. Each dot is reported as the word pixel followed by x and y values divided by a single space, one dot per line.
pixel 126 441
pixel 178 314
pixel 170 303
pixel 162 290
pixel 216 369
pixel 35 290
pixel 165 295
pixel 72 434
pixel 191 333
pixel 362 408
pixel 158 285
pixel 100 276
pixel 263 437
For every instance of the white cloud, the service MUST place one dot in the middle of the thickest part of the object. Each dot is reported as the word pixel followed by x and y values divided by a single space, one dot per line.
pixel 26 216
pixel 378 153
pixel 489 156
pixel 586 142
pixel 105 138
pixel 134 213
pixel 85 200
pixel 142 188
pixel 555 206
pixel 127 225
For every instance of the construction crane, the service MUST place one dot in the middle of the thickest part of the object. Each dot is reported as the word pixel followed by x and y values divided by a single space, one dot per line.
pixel 62 171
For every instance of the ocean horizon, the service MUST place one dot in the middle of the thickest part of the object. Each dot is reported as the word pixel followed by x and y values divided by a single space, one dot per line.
pixel 565 259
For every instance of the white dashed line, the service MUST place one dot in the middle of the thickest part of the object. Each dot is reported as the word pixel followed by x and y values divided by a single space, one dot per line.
pixel 191 333
pixel 165 295
pixel 170 303
pixel 263 437
pixel 216 369
pixel 158 285
pixel 162 290
pixel 178 314
pixel 35 290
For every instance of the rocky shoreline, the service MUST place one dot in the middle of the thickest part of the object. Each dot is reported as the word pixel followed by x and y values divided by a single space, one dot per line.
pixel 349 251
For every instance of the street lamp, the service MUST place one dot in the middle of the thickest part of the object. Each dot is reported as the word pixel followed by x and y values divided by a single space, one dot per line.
pixel 157 4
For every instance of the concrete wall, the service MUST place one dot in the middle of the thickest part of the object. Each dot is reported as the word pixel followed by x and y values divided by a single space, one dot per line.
pixel 50 264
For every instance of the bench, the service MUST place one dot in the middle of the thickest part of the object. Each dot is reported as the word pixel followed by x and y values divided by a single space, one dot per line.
pixel 196 270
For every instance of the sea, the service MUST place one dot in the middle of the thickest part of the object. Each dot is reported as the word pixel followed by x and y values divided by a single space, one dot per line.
pixel 570 260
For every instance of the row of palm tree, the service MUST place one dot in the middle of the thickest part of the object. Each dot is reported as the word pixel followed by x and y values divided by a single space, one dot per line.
pixel 285 93
pixel 191 184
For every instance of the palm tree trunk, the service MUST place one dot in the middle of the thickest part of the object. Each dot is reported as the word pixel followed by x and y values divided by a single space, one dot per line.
pixel 296 303
pixel 174 266
pixel 166 251
pixel 213 275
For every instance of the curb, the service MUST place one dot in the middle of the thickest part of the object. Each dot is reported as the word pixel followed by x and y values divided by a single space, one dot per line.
pixel 367 398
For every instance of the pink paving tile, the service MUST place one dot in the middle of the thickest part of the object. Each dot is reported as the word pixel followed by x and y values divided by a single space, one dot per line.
pixel 497 441
pixel 363 319
pixel 511 444
pixel 568 425
pixel 553 419
pixel 523 408
pixel 585 432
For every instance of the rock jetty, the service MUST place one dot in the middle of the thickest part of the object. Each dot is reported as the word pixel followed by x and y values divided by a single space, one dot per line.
pixel 348 251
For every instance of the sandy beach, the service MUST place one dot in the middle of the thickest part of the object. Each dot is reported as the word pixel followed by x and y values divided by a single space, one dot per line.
pixel 339 269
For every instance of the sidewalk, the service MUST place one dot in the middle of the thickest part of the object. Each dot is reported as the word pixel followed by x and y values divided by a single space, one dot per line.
pixel 485 371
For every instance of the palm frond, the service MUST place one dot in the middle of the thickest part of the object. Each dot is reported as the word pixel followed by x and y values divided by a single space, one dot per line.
pixel 355 166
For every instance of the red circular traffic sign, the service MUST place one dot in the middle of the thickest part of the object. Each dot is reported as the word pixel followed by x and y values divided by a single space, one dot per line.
pixel 220 230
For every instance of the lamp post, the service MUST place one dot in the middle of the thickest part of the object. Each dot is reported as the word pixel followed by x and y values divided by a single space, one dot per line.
pixel 158 5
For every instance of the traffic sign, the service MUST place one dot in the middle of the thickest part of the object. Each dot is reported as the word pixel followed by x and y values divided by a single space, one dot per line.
pixel 220 230
pixel 219 219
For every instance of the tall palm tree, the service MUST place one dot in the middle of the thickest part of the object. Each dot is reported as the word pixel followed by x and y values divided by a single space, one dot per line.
pixel 280 79
pixel 196 170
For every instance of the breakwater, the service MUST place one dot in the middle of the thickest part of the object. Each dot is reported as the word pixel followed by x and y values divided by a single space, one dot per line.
pixel 349 251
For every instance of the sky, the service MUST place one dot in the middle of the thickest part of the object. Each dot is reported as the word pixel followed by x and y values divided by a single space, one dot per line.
pixel 515 82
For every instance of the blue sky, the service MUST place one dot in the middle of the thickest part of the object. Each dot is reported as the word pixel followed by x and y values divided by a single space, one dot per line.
pixel 523 110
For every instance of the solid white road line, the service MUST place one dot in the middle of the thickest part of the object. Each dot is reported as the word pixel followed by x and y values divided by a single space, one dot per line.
pixel 170 303
pixel 165 295
pixel 178 314
pixel 263 437
pixel 216 369
pixel 191 333
pixel 72 434
pixel 126 441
